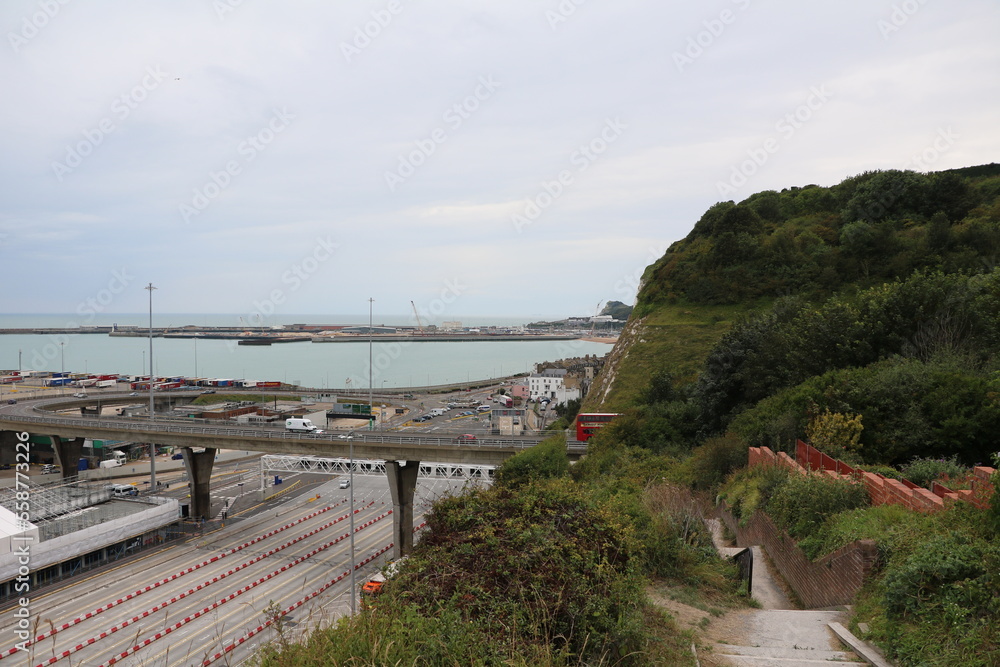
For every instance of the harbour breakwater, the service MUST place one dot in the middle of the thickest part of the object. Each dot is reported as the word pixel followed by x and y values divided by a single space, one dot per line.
pixel 326 335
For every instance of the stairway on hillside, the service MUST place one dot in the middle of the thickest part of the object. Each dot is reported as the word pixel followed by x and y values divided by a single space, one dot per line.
pixel 777 634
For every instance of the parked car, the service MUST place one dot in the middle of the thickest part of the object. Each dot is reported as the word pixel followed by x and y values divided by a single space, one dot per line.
pixel 177 457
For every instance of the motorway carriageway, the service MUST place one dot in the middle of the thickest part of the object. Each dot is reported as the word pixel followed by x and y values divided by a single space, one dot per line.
pixel 203 601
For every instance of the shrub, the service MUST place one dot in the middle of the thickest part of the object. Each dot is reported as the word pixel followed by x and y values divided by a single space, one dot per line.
pixel 942 604
pixel 835 434
pixel 749 489
pixel 545 460
pixel 678 524
pixel 994 511
pixel 804 502
pixel 894 528
pixel 711 463
pixel 542 566
pixel 948 569
pixel 886 471
pixel 924 471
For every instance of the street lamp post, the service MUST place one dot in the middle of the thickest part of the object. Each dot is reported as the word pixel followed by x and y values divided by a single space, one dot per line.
pixel 371 402
pixel 152 445
pixel 350 473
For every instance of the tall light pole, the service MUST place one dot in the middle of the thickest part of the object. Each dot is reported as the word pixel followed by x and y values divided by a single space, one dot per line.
pixel 371 379
pixel 350 473
pixel 152 445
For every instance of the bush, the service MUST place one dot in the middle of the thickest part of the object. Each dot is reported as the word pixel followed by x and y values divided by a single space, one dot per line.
pixel 942 604
pixel 894 528
pixel 949 569
pixel 994 511
pixel 835 434
pixel 545 460
pixel 804 502
pixel 542 566
pixel 886 471
pixel 711 463
pixel 750 489
pixel 680 538
pixel 924 471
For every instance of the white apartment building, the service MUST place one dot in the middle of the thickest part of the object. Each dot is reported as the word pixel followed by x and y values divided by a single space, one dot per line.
pixel 551 384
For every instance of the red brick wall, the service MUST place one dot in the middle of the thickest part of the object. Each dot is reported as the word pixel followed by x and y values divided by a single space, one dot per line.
pixel 833 580
pixel 836 578
pixel 881 490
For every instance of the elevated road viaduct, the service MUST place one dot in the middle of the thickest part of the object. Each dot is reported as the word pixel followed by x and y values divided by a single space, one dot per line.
pixel 199 442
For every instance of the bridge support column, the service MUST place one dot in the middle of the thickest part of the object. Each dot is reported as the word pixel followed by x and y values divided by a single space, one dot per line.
pixel 402 483
pixel 68 453
pixel 199 470
pixel 8 447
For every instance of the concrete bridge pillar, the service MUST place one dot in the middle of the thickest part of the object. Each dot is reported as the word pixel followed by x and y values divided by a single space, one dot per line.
pixel 199 471
pixel 68 453
pixel 8 447
pixel 402 483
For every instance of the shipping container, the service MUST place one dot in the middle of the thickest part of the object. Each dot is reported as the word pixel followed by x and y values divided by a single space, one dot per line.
pixel 165 386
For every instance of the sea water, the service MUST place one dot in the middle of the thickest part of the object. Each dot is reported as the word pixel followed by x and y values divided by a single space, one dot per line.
pixel 316 365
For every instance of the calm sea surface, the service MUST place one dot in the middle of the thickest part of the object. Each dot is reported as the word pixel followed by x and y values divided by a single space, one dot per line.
pixel 326 365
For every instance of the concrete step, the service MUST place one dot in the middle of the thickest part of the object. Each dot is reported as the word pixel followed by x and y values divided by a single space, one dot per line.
pixel 805 655
pixel 765 661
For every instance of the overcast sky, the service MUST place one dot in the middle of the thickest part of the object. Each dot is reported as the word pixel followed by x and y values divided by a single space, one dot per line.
pixel 478 158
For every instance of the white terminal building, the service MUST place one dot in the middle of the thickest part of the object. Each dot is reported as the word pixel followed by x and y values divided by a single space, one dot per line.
pixel 75 526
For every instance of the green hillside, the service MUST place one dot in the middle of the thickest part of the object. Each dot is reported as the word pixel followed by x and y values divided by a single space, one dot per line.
pixel 816 241
pixel 809 241
pixel 864 318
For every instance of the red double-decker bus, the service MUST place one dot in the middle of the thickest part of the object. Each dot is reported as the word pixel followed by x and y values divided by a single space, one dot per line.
pixel 588 423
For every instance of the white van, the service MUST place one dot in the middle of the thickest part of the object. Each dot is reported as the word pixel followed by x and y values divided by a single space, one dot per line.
pixel 122 490
pixel 300 425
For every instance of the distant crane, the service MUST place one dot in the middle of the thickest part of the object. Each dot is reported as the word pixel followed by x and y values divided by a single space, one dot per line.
pixel 420 327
